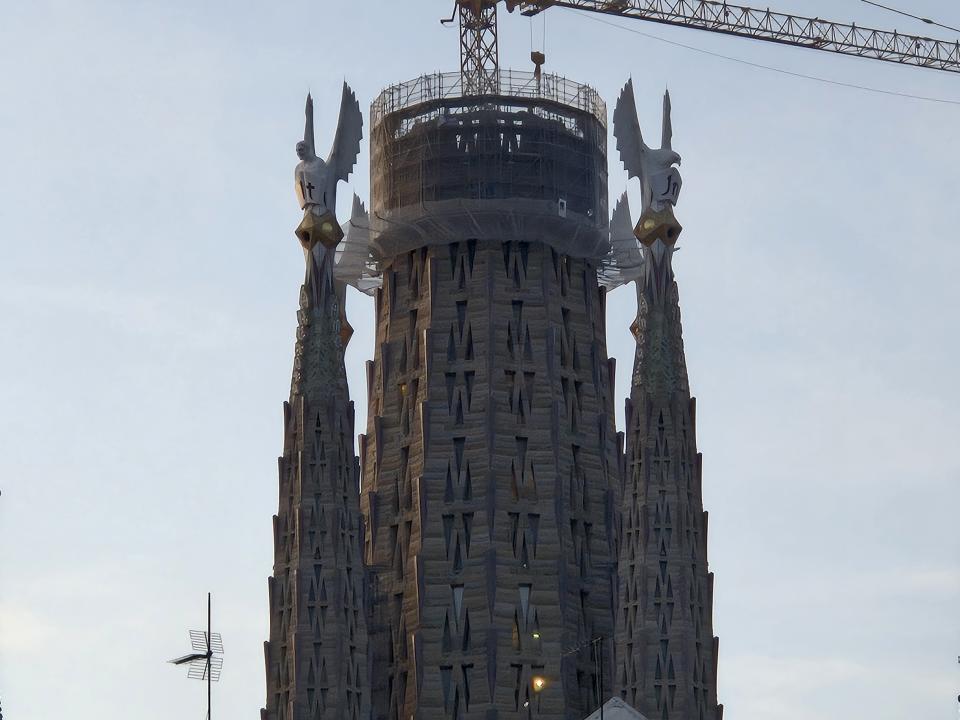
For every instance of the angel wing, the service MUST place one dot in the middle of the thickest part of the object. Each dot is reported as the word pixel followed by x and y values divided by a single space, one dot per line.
pixel 346 144
pixel 624 247
pixel 354 266
pixel 626 129
pixel 667 143
pixel 624 242
pixel 308 128
pixel 624 262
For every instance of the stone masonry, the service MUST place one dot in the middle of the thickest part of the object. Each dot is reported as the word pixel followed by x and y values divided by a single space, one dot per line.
pixel 666 651
pixel 316 657
pixel 490 466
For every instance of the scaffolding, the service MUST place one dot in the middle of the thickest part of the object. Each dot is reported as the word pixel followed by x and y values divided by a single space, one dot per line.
pixel 513 84
pixel 447 165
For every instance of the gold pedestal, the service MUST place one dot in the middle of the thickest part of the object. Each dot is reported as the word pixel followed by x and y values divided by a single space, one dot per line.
pixel 322 229
pixel 658 225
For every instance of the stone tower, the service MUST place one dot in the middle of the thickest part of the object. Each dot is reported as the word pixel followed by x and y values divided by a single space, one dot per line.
pixel 491 461
pixel 666 651
pixel 316 657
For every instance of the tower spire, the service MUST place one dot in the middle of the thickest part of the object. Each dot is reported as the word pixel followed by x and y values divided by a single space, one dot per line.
pixel 666 651
pixel 316 657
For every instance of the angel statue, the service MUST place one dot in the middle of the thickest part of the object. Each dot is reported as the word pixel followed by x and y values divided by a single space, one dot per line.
pixel 660 181
pixel 316 179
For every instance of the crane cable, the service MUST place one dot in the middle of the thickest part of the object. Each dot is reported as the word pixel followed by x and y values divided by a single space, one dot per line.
pixel 539 57
pixel 828 81
pixel 544 37
pixel 928 21
pixel 543 34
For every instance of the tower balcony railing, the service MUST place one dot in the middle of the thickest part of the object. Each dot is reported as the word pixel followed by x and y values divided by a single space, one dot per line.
pixel 512 83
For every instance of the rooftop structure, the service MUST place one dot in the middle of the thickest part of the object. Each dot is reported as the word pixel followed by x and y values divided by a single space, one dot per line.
pixel 531 159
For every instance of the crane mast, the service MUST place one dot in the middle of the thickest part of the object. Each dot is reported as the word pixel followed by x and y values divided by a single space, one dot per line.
pixel 478 33
pixel 479 55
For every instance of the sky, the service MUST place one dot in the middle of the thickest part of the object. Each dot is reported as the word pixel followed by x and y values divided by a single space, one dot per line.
pixel 149 279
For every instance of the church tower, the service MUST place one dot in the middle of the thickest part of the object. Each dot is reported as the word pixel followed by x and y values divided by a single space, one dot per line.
pixel 666 651
pixel 504 558
pixel 491 459
pixel 316 657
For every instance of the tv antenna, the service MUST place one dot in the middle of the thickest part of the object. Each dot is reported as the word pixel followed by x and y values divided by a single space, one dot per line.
pixel 206 660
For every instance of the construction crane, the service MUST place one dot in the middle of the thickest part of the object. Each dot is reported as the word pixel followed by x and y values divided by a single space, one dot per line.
pixel 479 57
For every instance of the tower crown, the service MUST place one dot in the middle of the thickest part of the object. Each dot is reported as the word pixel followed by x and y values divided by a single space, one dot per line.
pixel 529 160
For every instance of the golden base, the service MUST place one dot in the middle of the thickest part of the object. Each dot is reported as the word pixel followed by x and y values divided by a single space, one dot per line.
pixel 322 229
pixel 654 226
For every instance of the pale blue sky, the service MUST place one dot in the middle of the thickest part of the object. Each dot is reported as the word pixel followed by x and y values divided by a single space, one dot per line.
pixel 148 288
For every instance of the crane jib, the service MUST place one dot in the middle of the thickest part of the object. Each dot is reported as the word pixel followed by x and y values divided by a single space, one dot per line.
pixel 741 21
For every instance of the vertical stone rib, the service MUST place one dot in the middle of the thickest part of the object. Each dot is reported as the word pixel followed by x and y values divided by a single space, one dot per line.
pixel 316 657
pixel 506 568
pixel 666 651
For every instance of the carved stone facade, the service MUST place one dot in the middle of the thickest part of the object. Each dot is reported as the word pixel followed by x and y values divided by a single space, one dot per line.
pixel 316 657
pixel 666 651
pixel 491 466
pixel 501 531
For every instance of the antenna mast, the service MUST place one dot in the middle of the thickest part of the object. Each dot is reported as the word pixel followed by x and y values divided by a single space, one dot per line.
pixel 206 662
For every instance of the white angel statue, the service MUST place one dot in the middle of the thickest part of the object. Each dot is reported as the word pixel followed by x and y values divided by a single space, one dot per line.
pixel 316 179
pixel 660 181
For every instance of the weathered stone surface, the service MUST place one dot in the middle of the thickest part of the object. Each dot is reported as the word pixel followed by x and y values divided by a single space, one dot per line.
pixel 503 531
pixel 316 658
pixel 666 651
pixel 490 474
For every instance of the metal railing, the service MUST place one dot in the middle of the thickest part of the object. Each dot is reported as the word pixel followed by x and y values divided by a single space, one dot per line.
pixel 513 84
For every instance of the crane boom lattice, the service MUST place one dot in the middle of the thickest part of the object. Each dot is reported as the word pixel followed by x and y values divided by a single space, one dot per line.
pixel 813 33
